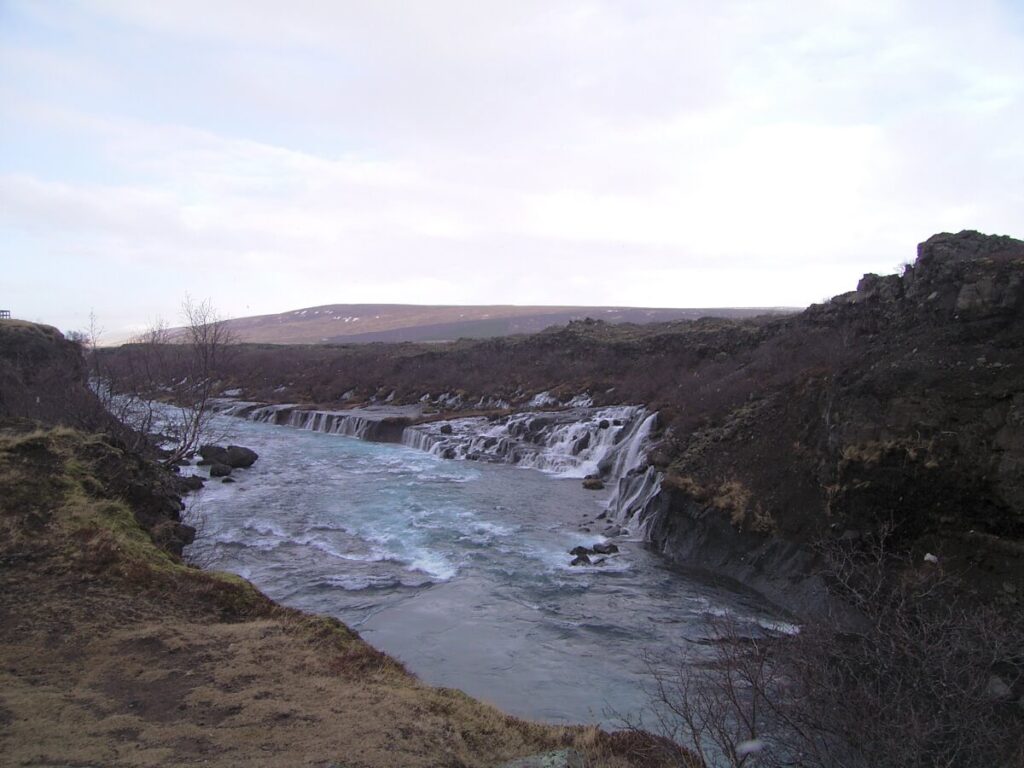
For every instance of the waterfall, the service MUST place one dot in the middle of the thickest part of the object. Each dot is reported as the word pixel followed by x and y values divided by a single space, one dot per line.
pixel 573 443
pixel 611 442
pixel 376 424
pixel 635 500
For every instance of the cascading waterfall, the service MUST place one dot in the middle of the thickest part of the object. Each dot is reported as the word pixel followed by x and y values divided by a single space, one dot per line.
pixel 572 443
pixel 611 442
pixel 635 500
pixel 375 424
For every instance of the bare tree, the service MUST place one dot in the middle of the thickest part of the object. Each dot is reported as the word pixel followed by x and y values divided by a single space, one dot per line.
pixel 206 340
pixel 162 382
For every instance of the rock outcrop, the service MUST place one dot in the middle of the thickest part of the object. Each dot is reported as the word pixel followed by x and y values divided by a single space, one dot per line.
pixel 895 408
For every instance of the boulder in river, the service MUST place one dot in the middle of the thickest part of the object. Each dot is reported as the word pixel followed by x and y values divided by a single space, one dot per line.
pixel 239 457
pixel 219 470
pixel 593 484
pixel 446 429
pixel 190 483
pixel 234 456
pixel 605 549
pixel 580 551
pixel 213 454
pixel 580 560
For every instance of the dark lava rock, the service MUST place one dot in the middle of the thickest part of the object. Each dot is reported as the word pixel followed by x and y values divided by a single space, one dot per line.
pixel 219 470
pixel 581 445
pixel 239 457
pixel 234 456
pixel 213 454
pixel 605 549
pixel 190 483
pixel 593 484
pixel 580 560
pixel 446 429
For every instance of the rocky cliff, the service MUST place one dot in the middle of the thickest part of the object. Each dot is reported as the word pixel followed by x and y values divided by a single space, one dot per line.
pixel 902 412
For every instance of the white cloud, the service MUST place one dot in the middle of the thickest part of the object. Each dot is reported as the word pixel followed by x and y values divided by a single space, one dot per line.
pixel 567 152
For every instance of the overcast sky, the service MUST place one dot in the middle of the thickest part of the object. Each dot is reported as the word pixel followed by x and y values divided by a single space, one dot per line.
pixel 272 155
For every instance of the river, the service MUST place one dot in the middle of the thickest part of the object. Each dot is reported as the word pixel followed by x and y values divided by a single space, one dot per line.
pixel 460 569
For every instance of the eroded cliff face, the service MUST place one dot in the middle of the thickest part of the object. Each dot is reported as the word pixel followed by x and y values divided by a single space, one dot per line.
pixel 903 411
pixel 43 383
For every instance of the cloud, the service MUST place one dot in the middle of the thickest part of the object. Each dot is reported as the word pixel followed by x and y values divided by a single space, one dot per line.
pixel 566 152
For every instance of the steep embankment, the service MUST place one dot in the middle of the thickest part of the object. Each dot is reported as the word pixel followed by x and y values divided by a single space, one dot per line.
pixel 114 652
pixel 894 407
pixel 42 377
pixel 911 424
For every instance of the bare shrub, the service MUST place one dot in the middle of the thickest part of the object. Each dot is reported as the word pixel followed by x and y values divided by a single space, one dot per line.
pixel 162 382
pixel 713 700
pixel 922 676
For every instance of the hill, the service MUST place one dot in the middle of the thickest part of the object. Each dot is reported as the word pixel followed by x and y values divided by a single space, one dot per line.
pixel 357 323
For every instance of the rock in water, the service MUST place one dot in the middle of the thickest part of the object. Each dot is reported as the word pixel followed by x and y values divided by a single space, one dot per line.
pixel 580 560
pixel 239 457
pixel 213 454
pixel 593 484
pixel 219 470
pixel 234 456
pixel 190 483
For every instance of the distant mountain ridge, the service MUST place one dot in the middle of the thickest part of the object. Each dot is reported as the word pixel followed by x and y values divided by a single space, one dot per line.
pixel 360 323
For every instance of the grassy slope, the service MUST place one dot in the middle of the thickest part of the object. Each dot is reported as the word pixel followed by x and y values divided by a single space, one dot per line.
pixel 114 653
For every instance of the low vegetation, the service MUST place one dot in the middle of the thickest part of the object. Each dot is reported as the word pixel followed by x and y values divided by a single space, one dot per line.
pixel 915 675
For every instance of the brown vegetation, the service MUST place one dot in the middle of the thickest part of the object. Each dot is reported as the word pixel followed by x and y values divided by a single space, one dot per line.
pixel 923 678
